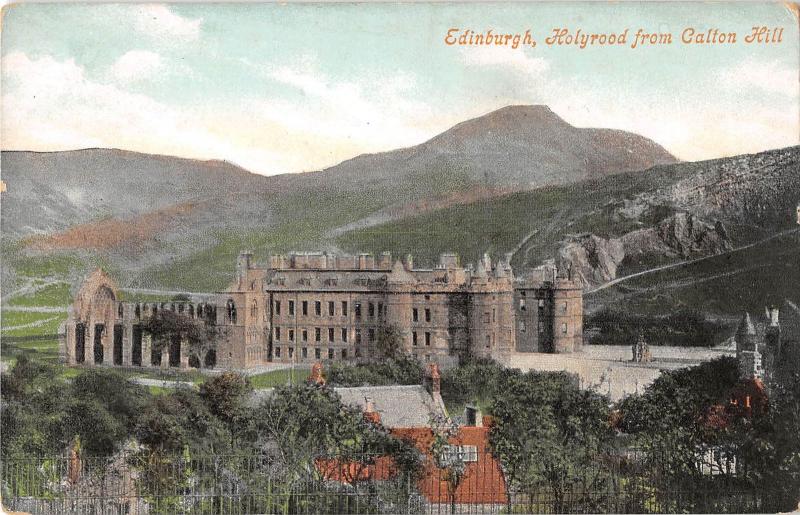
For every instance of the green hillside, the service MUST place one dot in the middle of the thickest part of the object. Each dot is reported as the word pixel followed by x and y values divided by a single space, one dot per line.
pixel 724 285
pixel 499 225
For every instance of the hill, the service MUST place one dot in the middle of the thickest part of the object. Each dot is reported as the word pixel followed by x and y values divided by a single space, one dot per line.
pixel 752 196
pixel 158 219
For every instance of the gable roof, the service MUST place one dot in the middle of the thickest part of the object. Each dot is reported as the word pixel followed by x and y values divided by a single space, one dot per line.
pixel 398 406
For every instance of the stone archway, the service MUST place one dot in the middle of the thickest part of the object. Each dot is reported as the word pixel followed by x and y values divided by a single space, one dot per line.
pixel 90 327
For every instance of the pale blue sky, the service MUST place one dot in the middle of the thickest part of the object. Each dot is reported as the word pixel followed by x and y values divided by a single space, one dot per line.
pixel 283 88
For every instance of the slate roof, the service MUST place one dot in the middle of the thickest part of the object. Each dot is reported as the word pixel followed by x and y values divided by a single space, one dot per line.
pixel 398 406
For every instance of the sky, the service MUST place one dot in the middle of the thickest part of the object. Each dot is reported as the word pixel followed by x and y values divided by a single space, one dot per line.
pixel 299 87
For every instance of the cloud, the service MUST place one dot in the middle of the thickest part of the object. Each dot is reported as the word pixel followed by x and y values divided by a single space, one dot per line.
pixel 766 76
pixel 364 114
pixel 136 65
pixel 49 104
pixel 510 59
pixel 159 21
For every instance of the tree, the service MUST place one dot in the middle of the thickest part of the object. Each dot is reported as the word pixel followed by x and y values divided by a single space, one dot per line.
pixel 166 325
pixel 548 432
pixel 298 425
pixel 451 463
pixel 388 341
pixel 226 397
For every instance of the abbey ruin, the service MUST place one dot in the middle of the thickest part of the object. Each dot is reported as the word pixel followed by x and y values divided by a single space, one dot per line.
pixel 309 307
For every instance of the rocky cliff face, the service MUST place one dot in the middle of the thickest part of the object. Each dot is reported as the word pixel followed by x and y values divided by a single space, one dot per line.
pixel 595 260
pixel 761 189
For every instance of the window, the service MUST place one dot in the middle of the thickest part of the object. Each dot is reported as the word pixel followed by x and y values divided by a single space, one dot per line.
pixel 371 310
pixel 358 336
pixel 371 334
pixel 358 352
pixel 331 308
pixel 522 326
pixel 344 308
pixel 415 315
pixel 380 309
pixel 317 353
pixel 486 318
pixel 119 310
pixel 427 315
pixel 305 353
pixel 494 315
pixel 564 307
pixel 318 308
pixel 291 352
pixel 277 333
pixel 414 338
pixel 254 309
pixel 317 334
pixel 330 353
pixel 330 334
pixel 305 308
pixel 344 334
pixel 277 307
pixel 564 328
pixel 344 353
pixel 231 311
pixel 291 335
pixel 277 352
pixel 291 308
pixel 305 335
pixel 427 339
pixel 522 304
pixel 488 341
pixel 358 310
pixel 452 454
pixel 541 303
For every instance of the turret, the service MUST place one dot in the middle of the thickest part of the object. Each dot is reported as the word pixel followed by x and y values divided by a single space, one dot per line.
pixel 243 264
pixel 745 335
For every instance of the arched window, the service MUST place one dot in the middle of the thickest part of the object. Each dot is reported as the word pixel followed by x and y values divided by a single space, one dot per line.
pixel 254 309
pixel 231 311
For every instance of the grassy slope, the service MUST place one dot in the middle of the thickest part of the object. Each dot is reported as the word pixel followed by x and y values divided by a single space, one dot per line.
pixel 724 285
pixel 499 225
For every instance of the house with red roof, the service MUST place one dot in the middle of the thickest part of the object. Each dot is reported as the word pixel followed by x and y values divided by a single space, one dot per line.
pixel 465 473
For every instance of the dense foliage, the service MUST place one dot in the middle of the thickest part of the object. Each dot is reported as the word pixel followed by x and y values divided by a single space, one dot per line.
pixel 401 369
pixel 685 328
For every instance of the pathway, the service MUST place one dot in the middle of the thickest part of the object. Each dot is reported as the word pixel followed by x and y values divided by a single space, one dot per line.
pixel 689 262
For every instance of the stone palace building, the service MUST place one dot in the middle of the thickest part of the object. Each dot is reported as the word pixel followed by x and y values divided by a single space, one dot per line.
pixel 309 307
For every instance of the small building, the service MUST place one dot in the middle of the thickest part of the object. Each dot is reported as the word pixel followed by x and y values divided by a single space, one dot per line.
pixel 481 484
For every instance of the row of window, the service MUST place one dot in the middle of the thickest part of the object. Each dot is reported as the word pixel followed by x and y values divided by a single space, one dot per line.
pixel 415 339
pixel 523 327
pixel 317 353
pixel 330 353
pixel 372 309
pixel 330 308
pixel 415 315
pixel 304 336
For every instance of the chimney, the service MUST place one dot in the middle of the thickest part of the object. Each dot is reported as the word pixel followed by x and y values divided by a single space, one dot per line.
pixel 434 379
pixel 316 376
pixel 370 415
